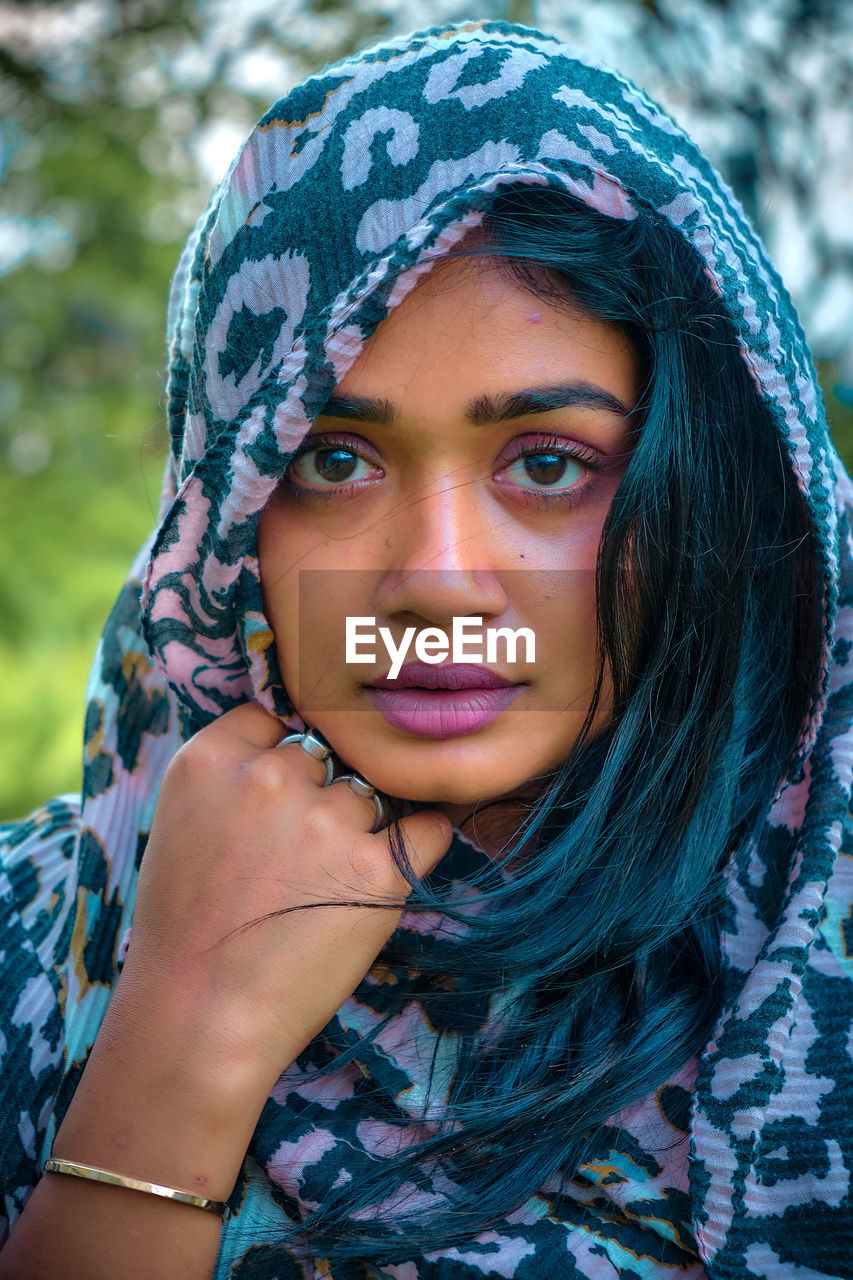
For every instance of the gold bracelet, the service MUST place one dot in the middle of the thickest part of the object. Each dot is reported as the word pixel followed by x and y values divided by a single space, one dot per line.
pixel 93 1174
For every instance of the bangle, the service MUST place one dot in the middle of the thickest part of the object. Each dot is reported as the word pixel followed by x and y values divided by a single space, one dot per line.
pixel 93 1174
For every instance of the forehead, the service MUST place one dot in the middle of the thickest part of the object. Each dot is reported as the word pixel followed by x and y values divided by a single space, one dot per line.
pixel 470 328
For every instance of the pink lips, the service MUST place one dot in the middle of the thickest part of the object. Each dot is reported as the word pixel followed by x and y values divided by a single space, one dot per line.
pixel 443 701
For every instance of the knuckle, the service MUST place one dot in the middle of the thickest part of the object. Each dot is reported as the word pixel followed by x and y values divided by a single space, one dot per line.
pixel 200 757
pixel 322 825
pixel 265 774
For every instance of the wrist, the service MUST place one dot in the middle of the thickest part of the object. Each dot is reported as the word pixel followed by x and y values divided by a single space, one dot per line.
pixel 169 1093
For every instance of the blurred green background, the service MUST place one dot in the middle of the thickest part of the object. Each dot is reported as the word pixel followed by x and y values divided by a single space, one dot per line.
pixel 116 118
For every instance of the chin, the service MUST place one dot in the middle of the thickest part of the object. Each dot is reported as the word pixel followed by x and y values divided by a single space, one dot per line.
pixel 462 770
pixel 445 787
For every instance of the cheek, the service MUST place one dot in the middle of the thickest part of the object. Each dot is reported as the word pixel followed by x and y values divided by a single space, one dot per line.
pixel 308 595
pixel 559 601
pixel 307 612
pixel 565 627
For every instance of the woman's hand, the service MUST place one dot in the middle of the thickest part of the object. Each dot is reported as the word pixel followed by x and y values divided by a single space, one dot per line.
pixel 244 830
pixel 207 1012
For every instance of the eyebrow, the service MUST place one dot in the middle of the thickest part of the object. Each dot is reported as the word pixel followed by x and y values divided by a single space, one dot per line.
pixel 485 410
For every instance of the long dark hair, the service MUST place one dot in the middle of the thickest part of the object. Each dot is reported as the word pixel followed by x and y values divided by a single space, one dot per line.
pixel 591 971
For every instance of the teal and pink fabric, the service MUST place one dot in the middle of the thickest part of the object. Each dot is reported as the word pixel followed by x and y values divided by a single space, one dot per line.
pixel 346 192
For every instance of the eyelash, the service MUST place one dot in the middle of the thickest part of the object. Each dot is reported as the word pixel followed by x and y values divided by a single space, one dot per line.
pixel 539 498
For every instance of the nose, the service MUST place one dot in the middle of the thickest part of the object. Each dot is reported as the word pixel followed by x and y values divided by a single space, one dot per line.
pixel 441 557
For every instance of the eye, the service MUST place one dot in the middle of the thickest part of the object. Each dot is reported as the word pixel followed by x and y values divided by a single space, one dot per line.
pixel 545 468
pixel 330 463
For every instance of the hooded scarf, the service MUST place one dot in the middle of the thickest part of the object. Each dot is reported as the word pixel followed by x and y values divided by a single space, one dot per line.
pixel 740 1166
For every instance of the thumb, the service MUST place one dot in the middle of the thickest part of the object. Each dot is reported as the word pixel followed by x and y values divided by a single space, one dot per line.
pixel 427 835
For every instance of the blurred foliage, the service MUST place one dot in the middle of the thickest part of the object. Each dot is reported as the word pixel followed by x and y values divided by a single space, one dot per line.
pixel 81 435
pixel 82 440
pixel 101 181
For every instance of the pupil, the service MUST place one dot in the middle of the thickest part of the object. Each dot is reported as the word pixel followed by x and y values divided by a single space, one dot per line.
pixel 545 468
pixel 334 464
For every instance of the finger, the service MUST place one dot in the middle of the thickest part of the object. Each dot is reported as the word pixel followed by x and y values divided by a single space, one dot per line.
pixel 427 834
pixel 366 805
pixel 248 723
pixel 309 765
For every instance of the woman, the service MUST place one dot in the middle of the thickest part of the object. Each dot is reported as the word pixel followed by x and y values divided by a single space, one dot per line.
pixel 470 331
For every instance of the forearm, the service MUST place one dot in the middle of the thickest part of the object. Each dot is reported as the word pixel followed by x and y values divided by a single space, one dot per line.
pixel 207 1012
pixel 154 1103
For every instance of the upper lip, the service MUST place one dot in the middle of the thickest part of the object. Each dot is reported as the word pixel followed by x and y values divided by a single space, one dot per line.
pixel 448 675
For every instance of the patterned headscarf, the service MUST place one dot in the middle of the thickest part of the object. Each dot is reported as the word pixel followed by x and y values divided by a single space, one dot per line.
pixel 347 191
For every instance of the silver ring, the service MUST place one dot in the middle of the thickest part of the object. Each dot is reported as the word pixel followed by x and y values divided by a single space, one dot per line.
pixel 317 747
pixel 361 787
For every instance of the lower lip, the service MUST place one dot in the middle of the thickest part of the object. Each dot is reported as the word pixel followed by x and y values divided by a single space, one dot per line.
pixel 442 713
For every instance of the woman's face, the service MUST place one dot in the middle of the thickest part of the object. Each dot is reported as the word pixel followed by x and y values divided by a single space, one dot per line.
pixel 463 469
